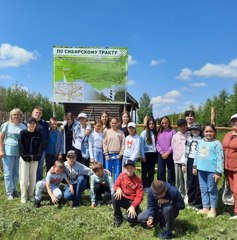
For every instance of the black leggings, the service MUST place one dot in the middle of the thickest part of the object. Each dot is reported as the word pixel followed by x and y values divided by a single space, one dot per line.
pixel 148 168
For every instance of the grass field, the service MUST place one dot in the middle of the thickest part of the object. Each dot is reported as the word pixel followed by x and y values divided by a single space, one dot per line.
pixel 23 221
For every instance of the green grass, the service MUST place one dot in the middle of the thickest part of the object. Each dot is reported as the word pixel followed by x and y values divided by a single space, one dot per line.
pixel 23 221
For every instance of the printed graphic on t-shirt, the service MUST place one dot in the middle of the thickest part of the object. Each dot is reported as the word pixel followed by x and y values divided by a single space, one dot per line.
pixel 203 151
pixel 193 148
pixel 130 143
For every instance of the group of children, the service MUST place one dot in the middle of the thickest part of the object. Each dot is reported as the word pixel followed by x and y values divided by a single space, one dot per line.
pixel 193 157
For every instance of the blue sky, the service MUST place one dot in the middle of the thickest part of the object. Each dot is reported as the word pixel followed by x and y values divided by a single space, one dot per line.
pixel 180 51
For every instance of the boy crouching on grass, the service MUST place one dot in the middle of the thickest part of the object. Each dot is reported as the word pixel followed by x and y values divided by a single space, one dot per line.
pixel 100 183
pixel 128 194
pixel 52 183
pixel 76 172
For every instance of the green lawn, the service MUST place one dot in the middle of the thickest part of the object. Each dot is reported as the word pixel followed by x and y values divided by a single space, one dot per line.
pixel 23 221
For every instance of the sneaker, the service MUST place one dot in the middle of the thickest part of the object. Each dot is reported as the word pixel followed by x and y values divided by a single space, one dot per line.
pixel 37 203
pixel 75 205
pixel 186 199
pixel 166 235
pixel 204 211
pixel 23 200
pixel 16 194
pixel 212 213
pixel 233 218
pixel 9 197
pixel 117 222
pixel 98 204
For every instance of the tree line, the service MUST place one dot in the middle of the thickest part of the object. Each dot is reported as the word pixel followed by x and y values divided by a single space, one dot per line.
pixel 18 97
pixel 225 105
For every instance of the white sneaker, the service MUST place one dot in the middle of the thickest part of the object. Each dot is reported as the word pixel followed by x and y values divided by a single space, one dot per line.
pixel 233 218
pixel 23 200
pixel 186 199
pixel 9 197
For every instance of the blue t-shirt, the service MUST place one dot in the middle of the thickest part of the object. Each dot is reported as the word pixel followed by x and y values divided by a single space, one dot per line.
pixel 12 134
pixel 51 145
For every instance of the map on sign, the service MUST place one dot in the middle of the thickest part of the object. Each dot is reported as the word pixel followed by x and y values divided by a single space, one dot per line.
pixel 90 75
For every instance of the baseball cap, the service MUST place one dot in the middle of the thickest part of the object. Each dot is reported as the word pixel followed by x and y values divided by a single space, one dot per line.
pixel 82 115
pixel 31 119
pixel 158 187
pixel 233 116
pixel 181 121
pixel 132 124
pixel 71 153
pixel 196 126
pixel 129 163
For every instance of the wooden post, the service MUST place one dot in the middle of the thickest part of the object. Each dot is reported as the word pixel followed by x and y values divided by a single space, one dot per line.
pixel 172 120
pixel 131 113
pixel 213 115
pixel 124 107
pixel 145 120
pixel 54 109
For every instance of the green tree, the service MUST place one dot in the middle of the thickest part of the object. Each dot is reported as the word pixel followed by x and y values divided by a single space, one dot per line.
pixel 18 97
pixel 3 94
pixel 145 108
pixel 220 103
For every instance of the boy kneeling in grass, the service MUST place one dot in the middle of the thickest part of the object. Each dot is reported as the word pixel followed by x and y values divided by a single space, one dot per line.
pixel 164 202
pixel 52 183
pixel 128 194
pixel 100 183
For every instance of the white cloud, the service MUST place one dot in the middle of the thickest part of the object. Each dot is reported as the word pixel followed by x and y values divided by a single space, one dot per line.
pixel 5 77
pixel 198 84
pixel 155 62
pixel 185 74
pixel 228 70
pixel 159 112
pixel 131 60
pixel 186 106
pixel 168 98
pixel 131 82
pixel 14 56
pixel 185 89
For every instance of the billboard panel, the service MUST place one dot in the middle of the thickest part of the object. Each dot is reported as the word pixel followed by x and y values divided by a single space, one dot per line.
pixel 89 74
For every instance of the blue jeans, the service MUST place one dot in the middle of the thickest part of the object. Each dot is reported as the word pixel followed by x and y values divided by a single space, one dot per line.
pixel 78 190
pixel 114 162
pixel 165 215
pixel 208 188
pixel 11 173
pixel 98 155
pixel 39 175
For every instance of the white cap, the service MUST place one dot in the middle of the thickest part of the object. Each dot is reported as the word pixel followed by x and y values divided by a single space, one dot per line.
pixel 132 124
pixel 233 116
pixel 82 115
